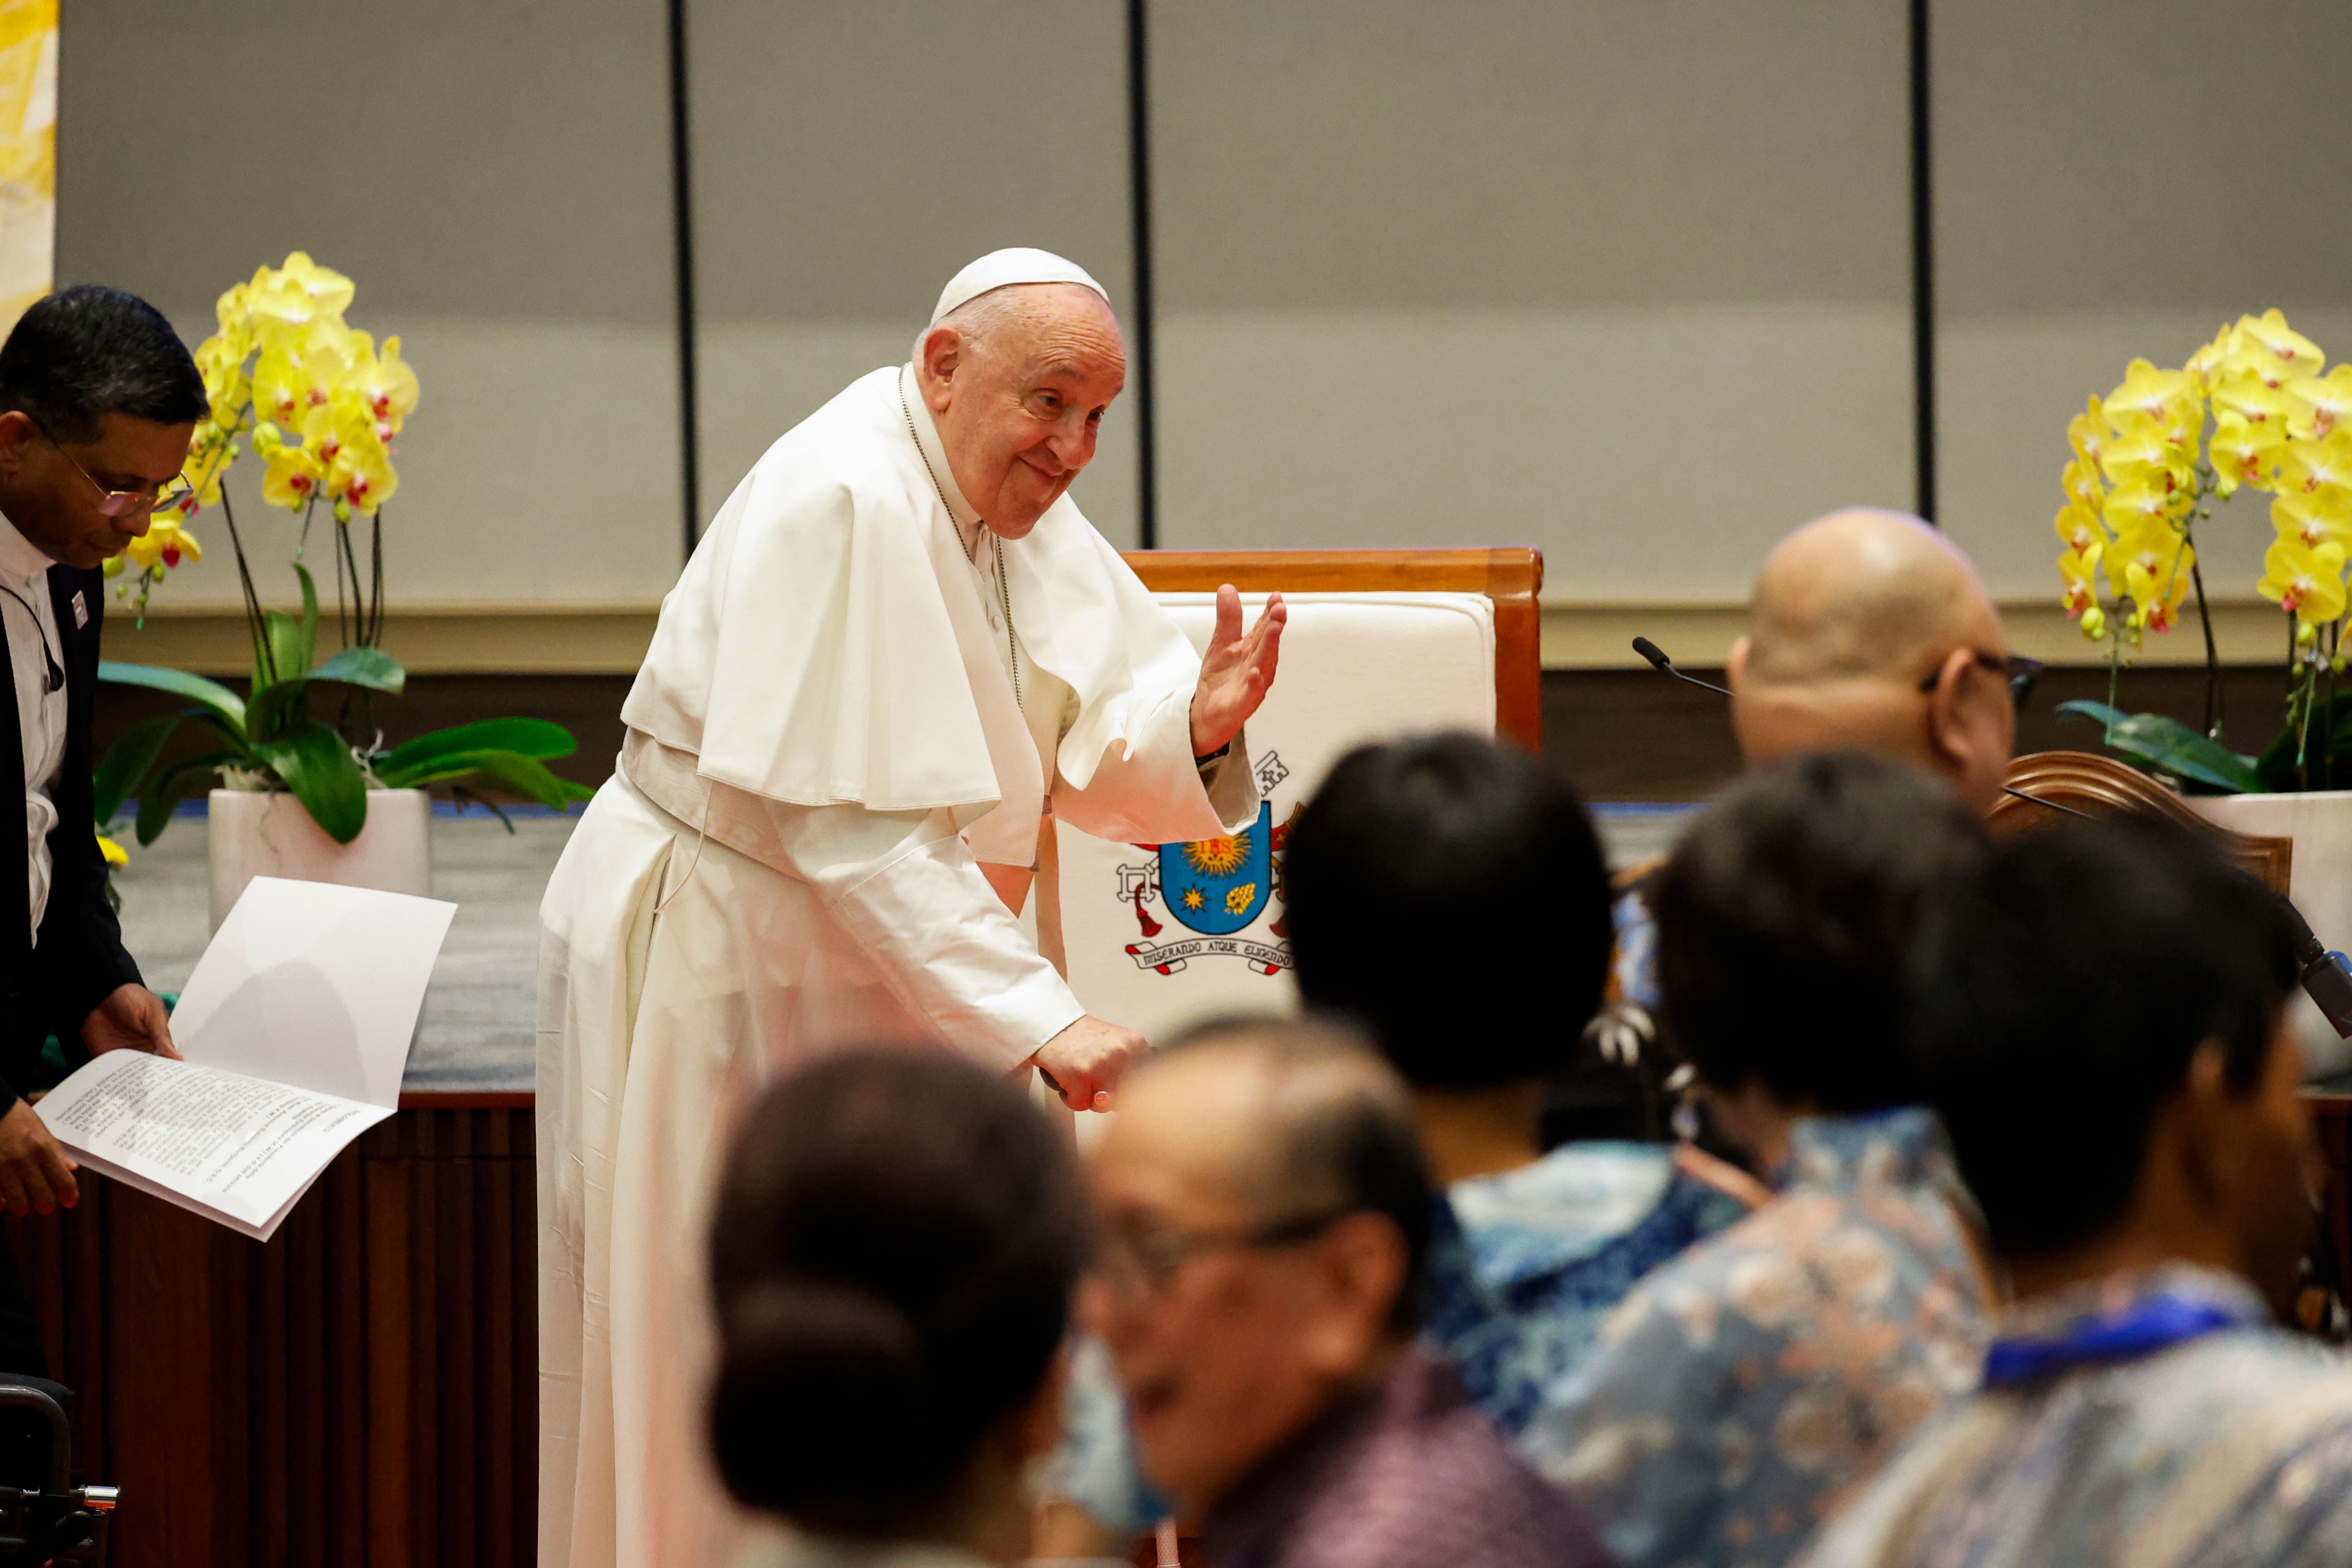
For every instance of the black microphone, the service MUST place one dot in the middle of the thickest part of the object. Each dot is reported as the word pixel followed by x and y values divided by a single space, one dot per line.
pixel 1660 662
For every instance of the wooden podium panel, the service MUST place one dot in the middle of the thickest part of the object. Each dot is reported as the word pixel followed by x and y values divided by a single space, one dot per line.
pixel 360 1389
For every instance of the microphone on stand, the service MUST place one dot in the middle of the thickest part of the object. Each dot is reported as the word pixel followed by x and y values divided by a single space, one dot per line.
pixel 1665 666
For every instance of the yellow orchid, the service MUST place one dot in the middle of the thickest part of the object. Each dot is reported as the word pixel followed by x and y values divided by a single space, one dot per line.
pixel 2094 622
pixel 2152 565
pixel 2086 433
pixel 2310 520
pixel 2083 484
pixel 2150 501
pixel 2080 569
pixel 166 544
pixel 2318 469
pixel 2283 351
pixel 297 296
pixel 113 853
pixel 301 369
pixel 2148 393
pixel 2327 400
pixel 2079 529
pixel 362 475
pixel 2204 366
pixel 2144 457
pixel 2307 580
pixel 385 384
pixel 2244 453
pixel 294 475
pixel 2257 401
pixel 2156 551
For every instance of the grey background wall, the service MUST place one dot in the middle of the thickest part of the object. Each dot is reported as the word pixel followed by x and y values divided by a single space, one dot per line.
pixel 1628 280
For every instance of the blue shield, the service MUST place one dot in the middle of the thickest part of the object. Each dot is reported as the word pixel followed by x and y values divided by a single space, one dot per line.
pixel 1217 886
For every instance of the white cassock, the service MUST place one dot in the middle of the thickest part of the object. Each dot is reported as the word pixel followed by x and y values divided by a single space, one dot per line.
pixel 856 695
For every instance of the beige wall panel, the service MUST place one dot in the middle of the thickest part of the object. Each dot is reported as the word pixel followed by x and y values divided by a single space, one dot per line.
pixel 2115 183
pixel 850 159
pixel 1626 278
pixel 1713 429
pixel 494 173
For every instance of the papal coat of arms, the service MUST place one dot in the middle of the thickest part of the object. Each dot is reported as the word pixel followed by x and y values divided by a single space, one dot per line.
pixel 1217 887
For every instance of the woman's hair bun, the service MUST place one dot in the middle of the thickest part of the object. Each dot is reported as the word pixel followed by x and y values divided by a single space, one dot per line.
pixel 819 1384
pixel 896 1240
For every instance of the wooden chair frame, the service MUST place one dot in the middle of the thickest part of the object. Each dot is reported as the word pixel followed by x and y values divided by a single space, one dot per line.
pixel 2103 786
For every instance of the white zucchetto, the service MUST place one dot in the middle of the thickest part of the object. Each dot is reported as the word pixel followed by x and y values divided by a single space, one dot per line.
pixel 1003 269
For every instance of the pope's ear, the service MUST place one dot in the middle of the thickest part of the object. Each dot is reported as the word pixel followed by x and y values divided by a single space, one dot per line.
pixel 938 356
pixel 1735 663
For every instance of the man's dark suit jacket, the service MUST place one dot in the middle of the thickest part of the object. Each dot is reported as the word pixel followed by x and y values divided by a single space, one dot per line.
pixel 80 961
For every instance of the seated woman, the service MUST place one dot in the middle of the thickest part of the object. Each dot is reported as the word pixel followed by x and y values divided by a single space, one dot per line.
pixel 1750 1384
pixel 897 1240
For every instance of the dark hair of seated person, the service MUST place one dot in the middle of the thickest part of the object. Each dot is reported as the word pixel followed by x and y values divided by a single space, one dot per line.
pixel 1786 916
pixel 1447 893
pixel 87 351
pixel 897 1239
pixel 2063 990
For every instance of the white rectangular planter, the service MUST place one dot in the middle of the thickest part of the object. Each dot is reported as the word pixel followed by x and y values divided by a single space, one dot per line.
pixel 2320 823
pixel 259 833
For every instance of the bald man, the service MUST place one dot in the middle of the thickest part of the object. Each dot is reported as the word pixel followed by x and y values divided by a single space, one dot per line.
pixel 1265 1214
pixel 1870 630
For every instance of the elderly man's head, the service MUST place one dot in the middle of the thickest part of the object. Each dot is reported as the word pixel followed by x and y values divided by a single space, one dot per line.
pixel 1870 629
pixel 1264 1212
pixel 1018 381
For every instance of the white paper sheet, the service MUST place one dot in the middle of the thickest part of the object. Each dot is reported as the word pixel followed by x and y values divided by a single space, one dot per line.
pixel 296 1027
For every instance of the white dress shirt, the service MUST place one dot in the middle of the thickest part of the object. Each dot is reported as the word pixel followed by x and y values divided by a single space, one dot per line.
pixel 33 644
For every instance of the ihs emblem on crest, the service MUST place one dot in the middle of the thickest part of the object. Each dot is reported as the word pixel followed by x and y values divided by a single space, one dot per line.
pixel 1218 888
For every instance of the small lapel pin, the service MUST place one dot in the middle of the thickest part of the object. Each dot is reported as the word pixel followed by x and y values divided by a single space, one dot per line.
pixel 81 612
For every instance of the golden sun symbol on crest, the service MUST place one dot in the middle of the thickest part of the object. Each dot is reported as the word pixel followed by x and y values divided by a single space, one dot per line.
pixel 1216 857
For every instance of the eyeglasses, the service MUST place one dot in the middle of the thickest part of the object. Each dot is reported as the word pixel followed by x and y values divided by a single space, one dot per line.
pixel 174 491
pixel 2020 671
pixel 1140 1265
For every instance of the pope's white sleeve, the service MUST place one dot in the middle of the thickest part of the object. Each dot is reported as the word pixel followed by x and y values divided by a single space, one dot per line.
pixel 1159 794
pixel 906 889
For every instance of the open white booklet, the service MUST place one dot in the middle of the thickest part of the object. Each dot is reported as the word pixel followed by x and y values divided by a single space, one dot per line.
pixel 295 1027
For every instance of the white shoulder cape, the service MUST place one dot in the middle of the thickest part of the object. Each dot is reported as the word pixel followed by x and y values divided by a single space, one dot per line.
pixel 827 644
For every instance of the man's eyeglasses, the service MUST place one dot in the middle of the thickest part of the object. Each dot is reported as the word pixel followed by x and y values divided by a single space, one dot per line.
pixel 1141 1263
pixel 2020 671
pixel 174 492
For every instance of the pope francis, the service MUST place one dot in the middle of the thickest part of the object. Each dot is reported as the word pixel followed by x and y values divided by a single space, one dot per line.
pixel 897 653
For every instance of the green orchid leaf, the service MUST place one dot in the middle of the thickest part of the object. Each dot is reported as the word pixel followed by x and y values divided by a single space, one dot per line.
pixel 525 775
pixel 2097 713
pixel 167 789
pixel 317 767
pixel 2170 746
pixel 290 658
pixel 223 702
pixel 126 762
pixel 529 737
pixel 368 666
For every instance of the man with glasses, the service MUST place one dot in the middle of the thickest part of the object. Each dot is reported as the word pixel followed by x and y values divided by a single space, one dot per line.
pixel 97 400
pixel 1870 631
pixel 1264 1218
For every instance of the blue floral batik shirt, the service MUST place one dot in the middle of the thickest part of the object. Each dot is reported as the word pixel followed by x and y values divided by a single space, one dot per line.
pixel 2229 1449
pixel 1748 1387
pixel 1524 1266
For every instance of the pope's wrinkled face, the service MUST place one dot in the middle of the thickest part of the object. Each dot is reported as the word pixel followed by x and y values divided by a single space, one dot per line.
pixel 1020 398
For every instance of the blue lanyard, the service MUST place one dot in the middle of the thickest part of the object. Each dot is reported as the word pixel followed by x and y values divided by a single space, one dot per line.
pixel 2145 1327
